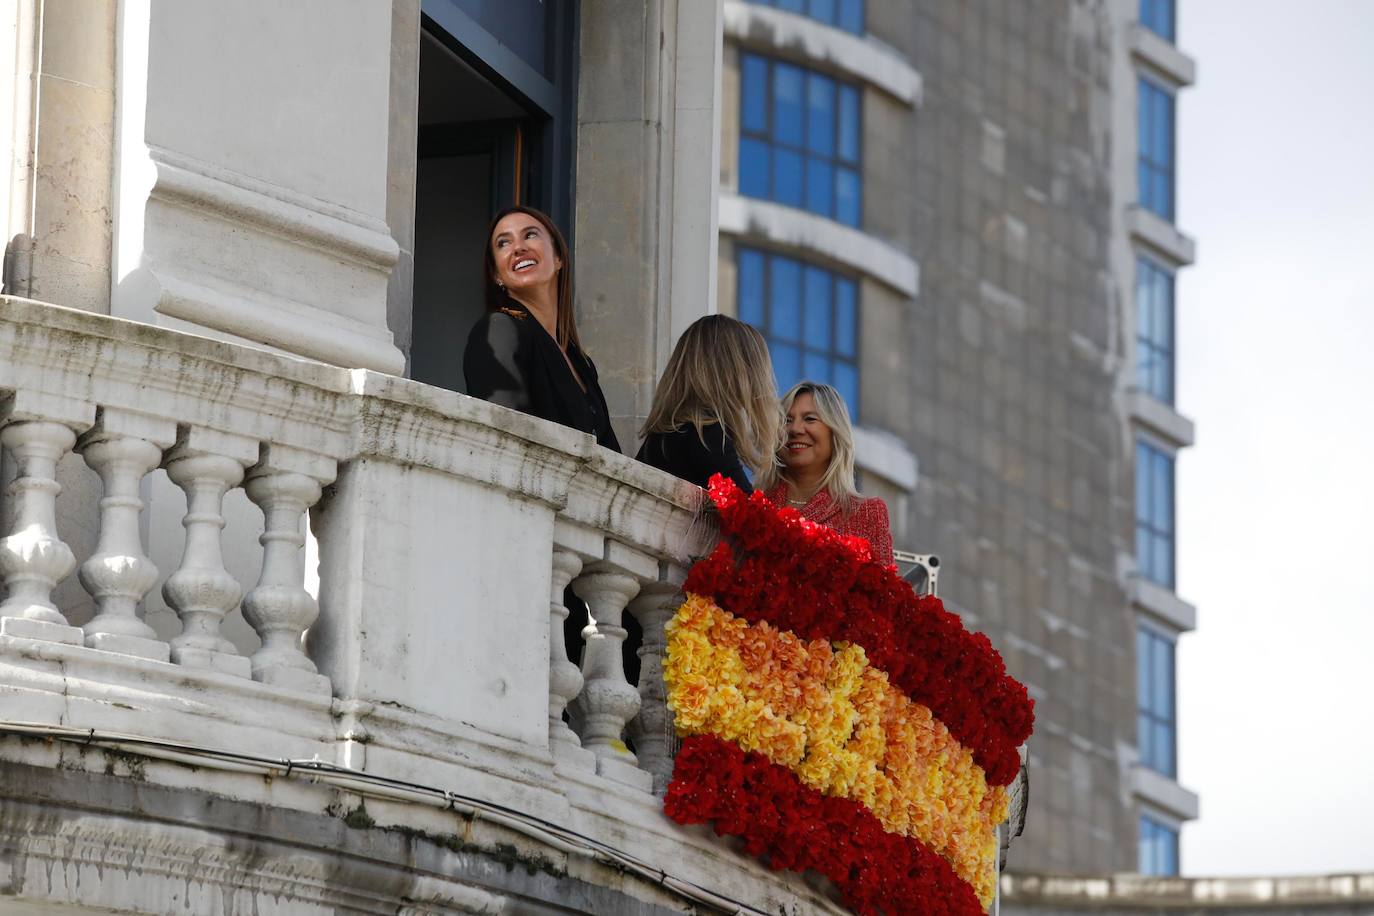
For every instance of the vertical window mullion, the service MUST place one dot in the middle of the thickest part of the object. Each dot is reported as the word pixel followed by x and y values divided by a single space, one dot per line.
pixel 772 132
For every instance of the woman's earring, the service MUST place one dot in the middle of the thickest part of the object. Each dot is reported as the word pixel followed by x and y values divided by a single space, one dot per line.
pixel 500 284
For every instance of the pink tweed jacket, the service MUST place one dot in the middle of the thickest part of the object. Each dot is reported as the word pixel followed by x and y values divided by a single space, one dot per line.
pixel 868 520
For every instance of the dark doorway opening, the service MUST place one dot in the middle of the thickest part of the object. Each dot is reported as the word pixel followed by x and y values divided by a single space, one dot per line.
pixel 495 125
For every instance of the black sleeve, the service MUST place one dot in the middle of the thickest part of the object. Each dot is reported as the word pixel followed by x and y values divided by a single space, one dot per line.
pixel 725 459
pixel 604 432
pixel 683 454
pixel 492 365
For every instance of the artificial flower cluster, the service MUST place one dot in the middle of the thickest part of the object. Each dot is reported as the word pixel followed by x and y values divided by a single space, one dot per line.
pixel 838 725
pixel 773 565
pixel 797 828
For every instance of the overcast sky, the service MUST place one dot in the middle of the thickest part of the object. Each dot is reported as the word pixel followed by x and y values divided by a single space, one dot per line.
pixel 1276 500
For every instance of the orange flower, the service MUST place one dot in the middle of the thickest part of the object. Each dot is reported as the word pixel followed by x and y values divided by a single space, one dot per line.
pixel 840 725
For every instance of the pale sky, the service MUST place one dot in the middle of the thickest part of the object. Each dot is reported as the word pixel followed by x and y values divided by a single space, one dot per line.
pixel 1276 500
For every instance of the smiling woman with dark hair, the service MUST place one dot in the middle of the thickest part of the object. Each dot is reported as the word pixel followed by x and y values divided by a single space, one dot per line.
pixel 524 353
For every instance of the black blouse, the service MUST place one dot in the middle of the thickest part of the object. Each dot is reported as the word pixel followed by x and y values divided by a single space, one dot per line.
pixel 682 453
pixel 512 361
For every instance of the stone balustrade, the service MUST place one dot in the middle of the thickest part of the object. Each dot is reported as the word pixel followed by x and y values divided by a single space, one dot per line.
pixel 432 651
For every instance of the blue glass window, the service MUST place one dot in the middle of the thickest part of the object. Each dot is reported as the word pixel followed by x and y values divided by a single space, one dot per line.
pixel 1154 514
pixel 843 14
pixel 1158 847
pixel 1154 330
pixel 810 317
pixel 1156 725
pixel 1158 17
pixel 1155 163
pixel 799 139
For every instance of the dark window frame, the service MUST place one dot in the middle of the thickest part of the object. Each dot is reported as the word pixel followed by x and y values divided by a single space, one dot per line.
pixel 1155 538
pixel 1160 17
pixel 1155 350
pixel 1156 722
pixel 1151 830
pixel 1156 179
pixel 768 137
pixel 829 352
pixel 548 179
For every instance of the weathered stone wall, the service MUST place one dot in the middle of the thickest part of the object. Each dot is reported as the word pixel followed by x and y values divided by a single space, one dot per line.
pixel 999 372
pixel 103 841
pixel 1000 376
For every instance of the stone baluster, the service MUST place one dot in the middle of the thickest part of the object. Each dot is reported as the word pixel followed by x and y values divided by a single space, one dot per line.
pixel 38 431
pixel 608 701
pixel 206 465
pixel 565 678
pixel 122 448
pixel 652 730
pixel 285 484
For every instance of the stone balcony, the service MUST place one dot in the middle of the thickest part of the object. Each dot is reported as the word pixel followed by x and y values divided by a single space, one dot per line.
pixel 385 736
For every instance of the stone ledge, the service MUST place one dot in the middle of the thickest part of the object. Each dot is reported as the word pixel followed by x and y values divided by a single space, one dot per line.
pixel 1161 56
pixel 1160 418
pixel 879 452
pixel 818 238
pixel 1190 895
pixel 1148 228
pixel 824 47
pixel 1164 793
pixel 1162 604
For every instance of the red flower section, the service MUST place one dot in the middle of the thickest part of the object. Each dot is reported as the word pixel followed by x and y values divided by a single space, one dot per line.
pixel 798 828
pixel 820 584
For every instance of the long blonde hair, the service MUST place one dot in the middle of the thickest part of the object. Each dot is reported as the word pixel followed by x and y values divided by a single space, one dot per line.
pixel 720 372
pixel 838 480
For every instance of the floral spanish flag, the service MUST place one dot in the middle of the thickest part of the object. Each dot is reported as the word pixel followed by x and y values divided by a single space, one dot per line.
pixel 834 720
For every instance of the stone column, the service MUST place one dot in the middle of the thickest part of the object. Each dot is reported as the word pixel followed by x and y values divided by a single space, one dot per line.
pixel 648 150
pixel 251 177
pixel 122 448
pixel 206 466
pixel 57 113
pixel 38 431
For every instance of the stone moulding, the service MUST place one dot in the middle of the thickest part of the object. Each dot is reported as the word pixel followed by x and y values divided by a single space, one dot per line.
pixel 240 255
pixel 296 217
pixel 849 248
pixel 280 321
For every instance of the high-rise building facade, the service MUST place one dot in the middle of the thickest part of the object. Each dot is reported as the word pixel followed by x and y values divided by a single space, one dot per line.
pixel 962 215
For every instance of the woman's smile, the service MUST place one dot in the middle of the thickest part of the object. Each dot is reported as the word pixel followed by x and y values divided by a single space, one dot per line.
pixel 522 256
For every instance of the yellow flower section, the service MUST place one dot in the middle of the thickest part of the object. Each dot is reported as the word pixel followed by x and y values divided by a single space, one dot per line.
pixel 834 720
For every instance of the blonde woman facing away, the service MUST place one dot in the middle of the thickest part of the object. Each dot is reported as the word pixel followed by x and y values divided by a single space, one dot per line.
pixel 715 410
pixel 815 471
